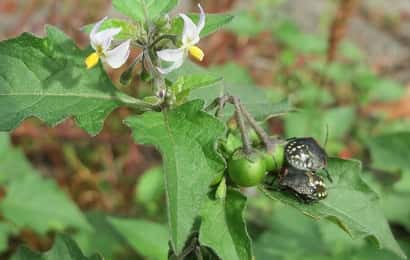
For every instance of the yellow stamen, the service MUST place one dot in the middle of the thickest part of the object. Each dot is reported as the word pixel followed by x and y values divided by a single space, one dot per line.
pixel 196 52
pixel 92 60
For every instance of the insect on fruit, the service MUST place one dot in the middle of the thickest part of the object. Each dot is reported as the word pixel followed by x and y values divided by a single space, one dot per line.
pixel 305 185
pixel 306 154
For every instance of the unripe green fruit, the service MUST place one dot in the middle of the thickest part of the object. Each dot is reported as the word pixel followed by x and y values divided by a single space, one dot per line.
pixel 247 170
pixel 231 144
pixel 274 161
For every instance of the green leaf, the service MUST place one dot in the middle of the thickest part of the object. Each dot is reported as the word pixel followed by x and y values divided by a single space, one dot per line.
pixel 253 98
pixel 246 24
pixel 13 164
pixel 288 34
pixel 291 236
pixel 128 30
pixel 186 139
pixel 233 73
pixel 223 227
pixel 148 238
pixel 390 151
pixel 315 123
pixel 47 78
pixel 351 204
pixel 135 8
pixel 63 249
pixel 40 204
pixel 394 209
pixel 213 23
pixel 6 229
pixel 103 238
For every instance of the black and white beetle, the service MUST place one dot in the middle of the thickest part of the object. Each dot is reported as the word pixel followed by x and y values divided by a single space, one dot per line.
pixel 305 185
pixel 306 154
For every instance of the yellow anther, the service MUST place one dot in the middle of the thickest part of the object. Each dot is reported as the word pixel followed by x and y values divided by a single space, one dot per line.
pixel 92 60
pixel 196 52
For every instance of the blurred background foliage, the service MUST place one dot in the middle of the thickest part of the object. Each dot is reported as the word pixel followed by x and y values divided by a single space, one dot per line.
pixel 344 64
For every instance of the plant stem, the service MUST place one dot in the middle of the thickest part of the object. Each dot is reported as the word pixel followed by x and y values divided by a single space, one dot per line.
pixel 247 148
pixel 162 37
pixel 258 129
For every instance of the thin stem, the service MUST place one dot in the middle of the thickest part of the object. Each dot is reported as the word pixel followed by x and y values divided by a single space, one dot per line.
pixel 162 37
pixel 247 148
pixel 258 129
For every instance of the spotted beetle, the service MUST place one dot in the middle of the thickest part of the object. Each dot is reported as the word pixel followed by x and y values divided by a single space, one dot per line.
pixel 305 185
pixel 306 154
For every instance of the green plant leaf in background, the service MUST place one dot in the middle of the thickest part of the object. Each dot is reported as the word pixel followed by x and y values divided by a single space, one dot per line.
pixel 147 238
pixel 26 207
pixel 13 164
pixel 312 122
pixel 150 189
pixel 6 229
pixel 350 203
pixel 186 138
pixel 103 238
pixel 47 78
pixel 246 24
pixel 128 30
pixel 223 227
pixel 135 8
pixel 395 207
pixel 252 97
pixel 63 249
pixel 49 209
pixel 390 152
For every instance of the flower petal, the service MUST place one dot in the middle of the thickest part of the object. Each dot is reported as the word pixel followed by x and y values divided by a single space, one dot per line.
pixel 171 55
pixel 190 34
pixel 173 66
pixel 118 56
pixel 201 22
pixel 94 31
pixel 97 26
pixel 104 38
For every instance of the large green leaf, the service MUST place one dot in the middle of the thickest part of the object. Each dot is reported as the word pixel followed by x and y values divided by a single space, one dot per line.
pixel 63 249
pixel 148 238
pixel 390 151
pixel 293 236
pixel 186 138
pixel 223 227
pixel 135 8
pixel 47 78
pixel 350 203
pixel 38 203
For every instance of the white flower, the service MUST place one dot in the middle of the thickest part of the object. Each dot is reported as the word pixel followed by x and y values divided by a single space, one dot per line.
pixel 101 43
pixel 190 37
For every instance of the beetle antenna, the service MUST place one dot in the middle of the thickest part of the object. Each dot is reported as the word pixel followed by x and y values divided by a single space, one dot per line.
pixel 327 135
pixel 328 175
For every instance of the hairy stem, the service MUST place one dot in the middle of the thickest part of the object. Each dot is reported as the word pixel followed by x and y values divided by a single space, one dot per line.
pixel 258 129
pixel 247 148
